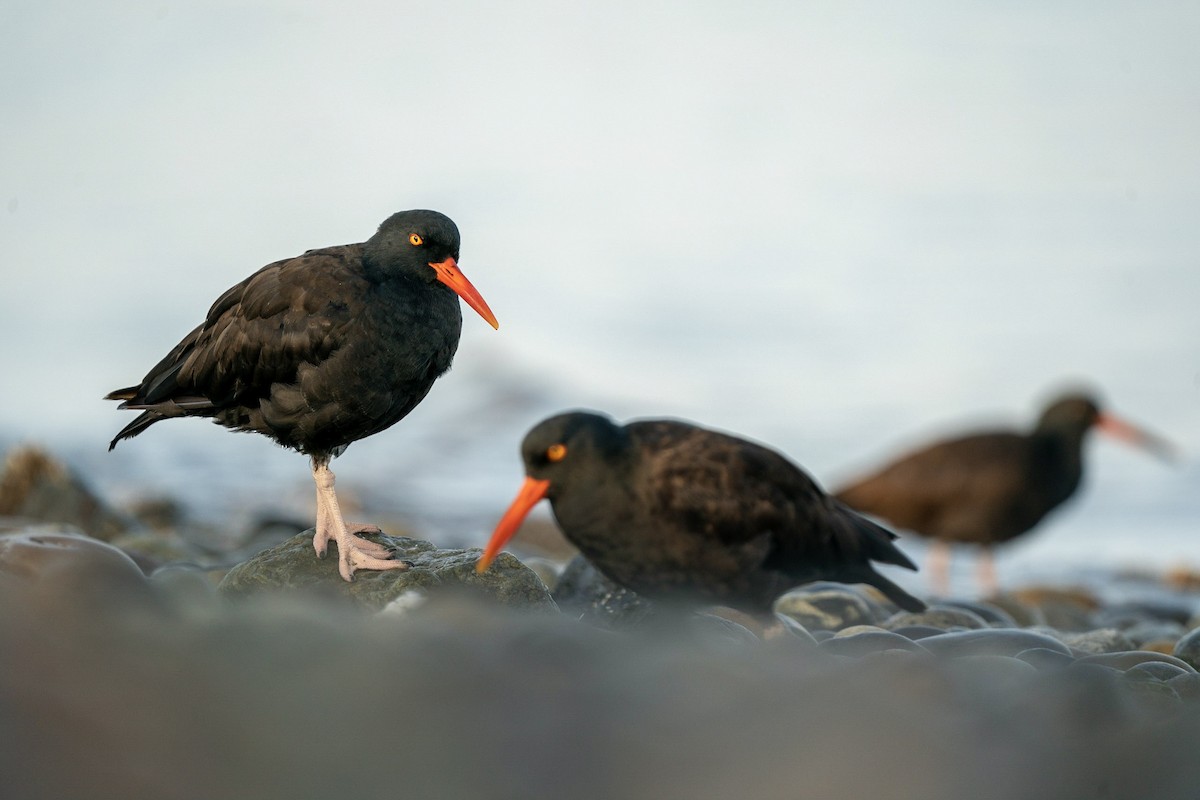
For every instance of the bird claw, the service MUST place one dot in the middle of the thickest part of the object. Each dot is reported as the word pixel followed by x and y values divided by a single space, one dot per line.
pixel 354 558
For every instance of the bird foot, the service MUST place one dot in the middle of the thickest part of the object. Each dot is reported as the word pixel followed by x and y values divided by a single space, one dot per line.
pixel 353 557
pixel 325 535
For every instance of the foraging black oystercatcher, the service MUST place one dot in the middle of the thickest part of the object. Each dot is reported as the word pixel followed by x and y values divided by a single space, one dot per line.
pixel 674 511
pixel 321 350
pixel 989 487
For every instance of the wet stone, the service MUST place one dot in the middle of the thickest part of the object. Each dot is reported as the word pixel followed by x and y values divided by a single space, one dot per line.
pixel 1062 609
pixel 71 569
pixel 1023 615
pixel 549 571
pixel 991 641
pixel 825 606
pixel 995 673
pixel 937 616
pixel 1188 648
pixel 1187 685
pixel 871 641
pixel 917 632
pixel 994 616
pixel 786 626
pixel 1102 640
pixel 292 566
pixel 721 633
pixel 585 592
pixel 1157 670
pixel 1157 698
pixel 1155 631
pixel 1131 658
pixel 1043 658
pixel 853 629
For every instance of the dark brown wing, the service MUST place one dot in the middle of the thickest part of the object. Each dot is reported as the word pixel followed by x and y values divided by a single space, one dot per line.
pixel 258 334
pixel 740 493
pixel 971 488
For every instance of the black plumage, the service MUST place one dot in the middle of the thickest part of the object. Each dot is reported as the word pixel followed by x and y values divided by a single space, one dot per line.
pixel 321 350
pixel 674 511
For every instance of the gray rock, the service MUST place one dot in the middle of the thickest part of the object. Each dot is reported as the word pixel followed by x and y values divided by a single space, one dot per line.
pixel 293 567
pixel 69 569
pixel 825 606
pixel 1024 615
pixel 939 616
pixel 917 632
pixel 1187 685
pixel 786 626
pixel 1155 631
pixel 1043 658
pixel 1156 670
pixel 1188 648
pixel 549 571
pixel 1131 658
pixel 997 674
pixel 862 643
pixel 990 641
pixel 1063 609
pixel 853 629
pixel 721 633
pixel 994 616
pixel 584 592
pixel 1103 640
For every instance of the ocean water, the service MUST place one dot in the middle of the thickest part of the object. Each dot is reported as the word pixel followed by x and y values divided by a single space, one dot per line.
pixel 838 231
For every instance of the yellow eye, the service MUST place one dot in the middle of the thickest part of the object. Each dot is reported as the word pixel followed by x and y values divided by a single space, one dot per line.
pixel 556 452
pixel 415 239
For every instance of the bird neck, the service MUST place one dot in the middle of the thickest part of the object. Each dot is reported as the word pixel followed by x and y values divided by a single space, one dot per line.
pixel 1059 457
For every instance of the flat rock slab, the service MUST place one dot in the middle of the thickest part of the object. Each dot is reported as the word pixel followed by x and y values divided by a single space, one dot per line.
pixel 293 566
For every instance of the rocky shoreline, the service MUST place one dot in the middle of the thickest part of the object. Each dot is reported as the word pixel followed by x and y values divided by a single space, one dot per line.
pixel 139 664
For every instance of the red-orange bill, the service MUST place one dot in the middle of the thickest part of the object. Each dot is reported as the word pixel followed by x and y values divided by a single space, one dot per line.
pixel 449 274
pixel 1120 429
pixel 532 491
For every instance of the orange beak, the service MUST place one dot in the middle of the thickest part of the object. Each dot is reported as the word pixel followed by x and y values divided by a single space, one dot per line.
pixel 531 493
pixel 449 274
pixel 1120 429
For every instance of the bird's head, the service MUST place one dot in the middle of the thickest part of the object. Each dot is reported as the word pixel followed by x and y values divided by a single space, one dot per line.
pixel 1074 414
pixel 557 452
pixel 424 244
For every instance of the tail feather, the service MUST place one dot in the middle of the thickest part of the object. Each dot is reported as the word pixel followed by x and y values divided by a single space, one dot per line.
pixel 125 394
pixel 893 592
pixel 143 421
pixel 877 542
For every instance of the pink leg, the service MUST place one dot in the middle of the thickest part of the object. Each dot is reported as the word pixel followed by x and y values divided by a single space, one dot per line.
pixel 987 573
pixel 939 567
pixel 353 553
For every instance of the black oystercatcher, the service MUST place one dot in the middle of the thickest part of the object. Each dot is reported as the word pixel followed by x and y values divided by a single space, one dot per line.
pixel 989 487
pixel 321 350
pixel 677 512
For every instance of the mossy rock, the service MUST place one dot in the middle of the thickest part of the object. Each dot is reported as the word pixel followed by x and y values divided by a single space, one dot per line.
pixel 292 566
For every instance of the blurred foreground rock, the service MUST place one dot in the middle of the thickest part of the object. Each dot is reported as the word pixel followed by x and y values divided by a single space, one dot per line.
pixel 293 567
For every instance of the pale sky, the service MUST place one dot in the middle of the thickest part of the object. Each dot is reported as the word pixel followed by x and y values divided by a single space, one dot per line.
pixel 929 208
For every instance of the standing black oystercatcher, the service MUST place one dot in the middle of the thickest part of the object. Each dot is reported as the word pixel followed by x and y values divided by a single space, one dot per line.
pixel 677 512
pixel 321 350
pixel 989 487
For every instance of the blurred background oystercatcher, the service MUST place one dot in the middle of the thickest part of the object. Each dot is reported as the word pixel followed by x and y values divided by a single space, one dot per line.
pixel 987 488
